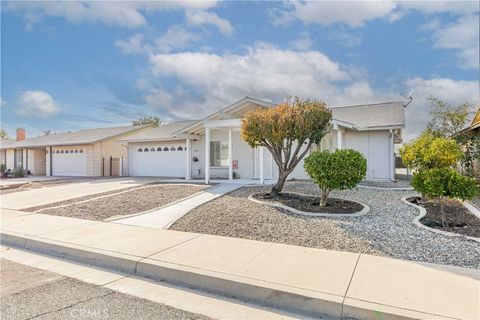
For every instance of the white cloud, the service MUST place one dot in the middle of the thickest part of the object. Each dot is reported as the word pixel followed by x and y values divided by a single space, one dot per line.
pixel 302 43
pixel 121 13
pixel 345 38
pixel 451 91
pixel 202 17
pixel 133 45
pixel 3 102
pixel 462 36
pixel 176 38
pixel 37 103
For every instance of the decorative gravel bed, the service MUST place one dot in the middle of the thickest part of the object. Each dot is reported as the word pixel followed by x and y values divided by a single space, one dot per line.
pixel 387 184
pixel 458 218
pixel 134 201
pixel 309 203
pixel 386 230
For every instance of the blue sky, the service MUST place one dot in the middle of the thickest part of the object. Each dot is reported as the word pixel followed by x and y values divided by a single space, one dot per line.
pixel 74 65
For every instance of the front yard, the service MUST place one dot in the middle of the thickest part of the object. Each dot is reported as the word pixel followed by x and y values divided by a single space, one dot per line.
pixel 386 230
pixel 120 203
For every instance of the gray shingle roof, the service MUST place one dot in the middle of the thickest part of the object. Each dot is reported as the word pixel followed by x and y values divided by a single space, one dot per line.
pixel 390 114
pixel 6 143
pixel 165 131
pixel 86 136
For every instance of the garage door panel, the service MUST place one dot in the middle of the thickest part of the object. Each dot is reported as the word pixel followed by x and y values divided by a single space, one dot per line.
pixel 159 160
pixel 69 161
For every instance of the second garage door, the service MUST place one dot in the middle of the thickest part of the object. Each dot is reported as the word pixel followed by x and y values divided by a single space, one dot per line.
pixel 69 161
pixel 159 160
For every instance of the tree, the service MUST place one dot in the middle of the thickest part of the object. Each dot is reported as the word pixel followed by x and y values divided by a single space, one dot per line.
pixel 447 121
pixel 3 134
pixel 341 169
pixel 442 183
pixel 153 121
pixel 428 151
pixel 284 130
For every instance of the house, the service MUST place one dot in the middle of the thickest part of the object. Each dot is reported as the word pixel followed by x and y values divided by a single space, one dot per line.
pixel 213 148
pixel 91 152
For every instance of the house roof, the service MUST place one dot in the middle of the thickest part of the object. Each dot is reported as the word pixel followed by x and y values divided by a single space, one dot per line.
pixel 476 120
pixel 163 132
pixel 86 136
pixel 372 116
pixel 6 143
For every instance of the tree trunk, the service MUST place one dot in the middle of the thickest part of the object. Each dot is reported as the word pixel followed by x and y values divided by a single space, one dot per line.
pixel 323 197
pixel 278 187
pixel 442 210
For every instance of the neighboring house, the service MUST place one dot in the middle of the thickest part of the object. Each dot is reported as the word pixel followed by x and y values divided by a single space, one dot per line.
pixel 213 148
pixel 4 153
pixel 475 125
pixel 91 152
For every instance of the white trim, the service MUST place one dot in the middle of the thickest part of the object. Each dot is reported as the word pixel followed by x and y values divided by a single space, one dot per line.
pixel 222 123
pixel 207 155
pixel 392 156
pixel 188 174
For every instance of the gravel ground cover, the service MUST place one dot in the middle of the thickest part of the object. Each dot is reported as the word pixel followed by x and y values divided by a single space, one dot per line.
pixel 387 230
pixel 387 184
pixel 31 293
pixel 134 201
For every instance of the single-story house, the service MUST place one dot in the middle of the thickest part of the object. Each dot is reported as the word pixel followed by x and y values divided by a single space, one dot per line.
pixel 91 152
pixel 213 148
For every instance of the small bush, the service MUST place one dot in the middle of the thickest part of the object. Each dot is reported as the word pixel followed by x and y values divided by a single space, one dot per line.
pixel 18 172
pixel 444 183
pixel 3 168
pixel 341 169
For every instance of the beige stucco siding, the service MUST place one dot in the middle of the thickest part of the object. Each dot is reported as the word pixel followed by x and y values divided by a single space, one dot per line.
pixel 11 159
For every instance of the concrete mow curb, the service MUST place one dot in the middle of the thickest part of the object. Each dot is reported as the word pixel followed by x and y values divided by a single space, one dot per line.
pixel 304 302
pixel 385 189
pixel 423 213
pixel 362 212
pixel 472 208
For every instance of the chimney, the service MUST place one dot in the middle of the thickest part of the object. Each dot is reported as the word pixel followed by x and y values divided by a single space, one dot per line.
pixel 20 134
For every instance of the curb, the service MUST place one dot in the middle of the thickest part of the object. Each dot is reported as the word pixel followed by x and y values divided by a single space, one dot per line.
pixel 304 302
pixel 385 189
pixel 362 212
pixel 423 213
pixel 474 210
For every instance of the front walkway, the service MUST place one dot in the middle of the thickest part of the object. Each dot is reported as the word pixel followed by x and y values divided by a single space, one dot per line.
pixel 306 280
pixel 164 217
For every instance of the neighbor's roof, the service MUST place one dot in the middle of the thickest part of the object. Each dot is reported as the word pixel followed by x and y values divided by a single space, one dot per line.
pixel 476 120
pixel 6 142
pixel 86 136
pixel 162 132
pixel 372 116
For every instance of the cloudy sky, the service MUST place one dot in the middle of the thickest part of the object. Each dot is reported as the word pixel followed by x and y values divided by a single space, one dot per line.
pixel 73 65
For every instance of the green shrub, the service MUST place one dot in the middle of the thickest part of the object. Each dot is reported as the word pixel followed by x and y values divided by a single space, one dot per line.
pixel 3 167
pixel 428 151
pixel 18 172
pixel 341 169
pixel 442 183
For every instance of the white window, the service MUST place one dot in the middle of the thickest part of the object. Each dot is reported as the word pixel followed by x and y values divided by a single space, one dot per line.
pixel 218 154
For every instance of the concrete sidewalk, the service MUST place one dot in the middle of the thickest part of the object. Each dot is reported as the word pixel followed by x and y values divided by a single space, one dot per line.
pixel 307 281
pixel 166 216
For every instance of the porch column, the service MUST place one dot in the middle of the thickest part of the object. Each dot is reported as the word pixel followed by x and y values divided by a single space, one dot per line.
pixel 207 155
pixel 230 159
pixel 339 138
pixel 261 165
pixel 188 172
pixel 392 156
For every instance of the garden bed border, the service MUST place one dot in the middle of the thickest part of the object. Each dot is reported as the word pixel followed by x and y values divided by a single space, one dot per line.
pixel 423 213
pixel 275 204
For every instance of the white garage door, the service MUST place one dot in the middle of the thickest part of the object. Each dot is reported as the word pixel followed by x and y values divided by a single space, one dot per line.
pixel 69 161
pixel 159 160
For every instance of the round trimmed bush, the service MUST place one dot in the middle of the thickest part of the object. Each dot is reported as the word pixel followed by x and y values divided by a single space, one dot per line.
pixel 341 169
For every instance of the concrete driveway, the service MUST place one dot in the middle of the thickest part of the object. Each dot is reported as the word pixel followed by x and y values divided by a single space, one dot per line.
pixel 75 189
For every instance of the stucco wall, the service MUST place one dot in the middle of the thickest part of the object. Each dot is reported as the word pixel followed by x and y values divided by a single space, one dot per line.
pixel 11 159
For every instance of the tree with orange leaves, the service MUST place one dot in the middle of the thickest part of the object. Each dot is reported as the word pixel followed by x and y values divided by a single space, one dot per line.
pixel 287 131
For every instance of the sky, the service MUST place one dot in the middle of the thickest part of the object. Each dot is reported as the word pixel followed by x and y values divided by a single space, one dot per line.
pixel 73 65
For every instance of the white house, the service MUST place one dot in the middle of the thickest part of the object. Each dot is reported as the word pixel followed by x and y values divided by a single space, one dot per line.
pixel 212 147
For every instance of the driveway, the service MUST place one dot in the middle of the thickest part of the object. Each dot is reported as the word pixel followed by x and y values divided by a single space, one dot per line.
pixel 76 189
